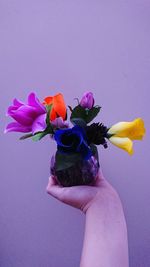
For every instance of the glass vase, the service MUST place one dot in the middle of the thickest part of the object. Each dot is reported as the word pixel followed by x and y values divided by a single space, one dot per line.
pixel 83 172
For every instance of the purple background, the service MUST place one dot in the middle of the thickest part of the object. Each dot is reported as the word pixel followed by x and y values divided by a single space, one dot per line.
pixel 70 47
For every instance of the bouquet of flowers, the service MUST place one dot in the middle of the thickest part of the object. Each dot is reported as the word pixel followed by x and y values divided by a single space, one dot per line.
pixel 76 160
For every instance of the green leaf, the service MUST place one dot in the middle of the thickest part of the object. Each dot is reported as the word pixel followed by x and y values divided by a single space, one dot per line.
pixel 85 114
pixel 26 136
pixel 92 113
pixel 78 112
pixel 39 136
pixel 78 121
pixel 49 129
pixel 64 161
pixel 109 135
pixel 48 108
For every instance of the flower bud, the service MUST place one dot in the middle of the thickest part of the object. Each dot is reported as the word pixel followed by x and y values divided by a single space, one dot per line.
pixel 87 100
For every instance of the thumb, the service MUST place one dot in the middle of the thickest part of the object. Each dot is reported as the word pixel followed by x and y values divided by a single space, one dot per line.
pixel 53 188
pixel 100 178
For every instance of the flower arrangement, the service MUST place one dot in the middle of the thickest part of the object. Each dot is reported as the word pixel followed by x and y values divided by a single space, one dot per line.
pixel 76 160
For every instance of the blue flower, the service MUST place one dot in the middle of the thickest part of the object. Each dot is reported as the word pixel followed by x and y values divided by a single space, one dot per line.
pixel 73 140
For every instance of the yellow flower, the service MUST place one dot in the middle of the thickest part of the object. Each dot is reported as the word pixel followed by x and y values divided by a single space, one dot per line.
pixel 122 134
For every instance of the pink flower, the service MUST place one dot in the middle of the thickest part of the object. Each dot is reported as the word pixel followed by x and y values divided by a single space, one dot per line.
pixel 87 100
pixel 30 117
pixel 59 123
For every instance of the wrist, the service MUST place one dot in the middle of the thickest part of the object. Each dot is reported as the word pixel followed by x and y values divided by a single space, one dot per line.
pixel 106 200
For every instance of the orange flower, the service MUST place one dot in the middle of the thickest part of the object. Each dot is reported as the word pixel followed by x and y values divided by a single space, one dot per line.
pixel 58 106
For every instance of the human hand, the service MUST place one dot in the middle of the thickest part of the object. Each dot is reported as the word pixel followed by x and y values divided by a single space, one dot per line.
pixel 82 197
pixel 105 240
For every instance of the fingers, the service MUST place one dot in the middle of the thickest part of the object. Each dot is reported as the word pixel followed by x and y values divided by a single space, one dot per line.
pixel 52 181
pixel 59 192
pixel 53 188
pixel 101 175
pixel 100 178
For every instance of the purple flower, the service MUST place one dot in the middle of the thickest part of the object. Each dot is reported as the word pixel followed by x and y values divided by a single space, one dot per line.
pixel 59 123
pixel 87 100
pixel 30 117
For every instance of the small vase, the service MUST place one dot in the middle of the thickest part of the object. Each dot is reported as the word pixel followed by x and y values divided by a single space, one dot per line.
pixel 83 172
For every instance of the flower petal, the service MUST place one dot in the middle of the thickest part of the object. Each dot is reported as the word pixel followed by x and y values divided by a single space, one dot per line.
pixel 48 100
pixel 16 127
pixel 134 130
pixel 10 110
pixel 17 103
pixel 123 143
pixel 39 125
pixel 58 136
pixel 34 102
pixel 60 123
pixel 53 114
pixel 87 100
pixel 59 105
pixel 23 115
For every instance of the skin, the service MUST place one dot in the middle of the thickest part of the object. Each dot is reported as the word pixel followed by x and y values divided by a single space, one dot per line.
pixel 105 239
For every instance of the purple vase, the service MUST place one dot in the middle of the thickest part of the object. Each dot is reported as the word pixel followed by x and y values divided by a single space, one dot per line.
pixel 83 172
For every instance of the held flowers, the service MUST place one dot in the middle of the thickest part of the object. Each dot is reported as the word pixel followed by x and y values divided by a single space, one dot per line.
pixel 122 134
pixel 29 117
pixel 77 144
pixel 58 106
pixel 73 140
pixel 40 118
pixel 87 100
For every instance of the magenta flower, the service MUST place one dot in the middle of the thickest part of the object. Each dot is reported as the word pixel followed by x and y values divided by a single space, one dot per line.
pixel 30 117
pixel 59 123
pixel 87 100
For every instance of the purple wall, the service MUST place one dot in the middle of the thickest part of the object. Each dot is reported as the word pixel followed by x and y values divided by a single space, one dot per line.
pixel 71 46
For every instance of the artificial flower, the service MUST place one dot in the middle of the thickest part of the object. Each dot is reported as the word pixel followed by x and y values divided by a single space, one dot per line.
pixel 122 133
pixel 73 140
pixel 87 100
pixel 30 117
pixel 58 106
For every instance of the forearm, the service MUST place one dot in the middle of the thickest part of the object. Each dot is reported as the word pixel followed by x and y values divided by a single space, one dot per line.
pixel 105 240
